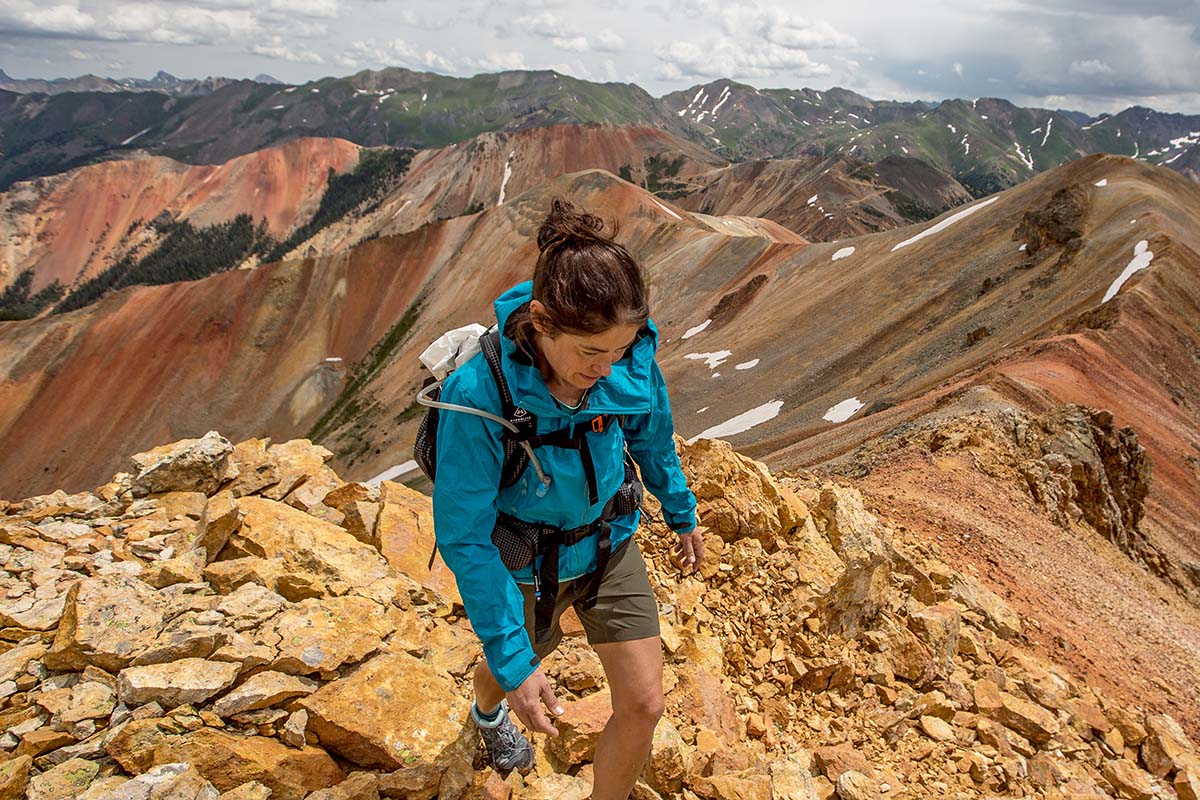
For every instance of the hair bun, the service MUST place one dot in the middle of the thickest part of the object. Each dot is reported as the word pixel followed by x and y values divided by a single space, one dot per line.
pixel 566 223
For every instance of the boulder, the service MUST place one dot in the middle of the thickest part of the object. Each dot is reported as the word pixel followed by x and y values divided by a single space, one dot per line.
pixel 227 760
pixel 189 465
pixel 320 553
pixel 736 496
pixel 670 759
pixel 1166 747
pixel 256 470
pixel 938 627
pixel 106 621
pixel 1127 779
pixel 321 635
pixel 263 690
pixel 359 786
pixel 14 662
pixel 404 532
pixel 295 461
pixel 580 726
pixel 393 711
pixel 1028 719
pixel 14 777
pixel 188 680
pixel 221 518
pixel 163 782
pixel 66 781
pixel 792 780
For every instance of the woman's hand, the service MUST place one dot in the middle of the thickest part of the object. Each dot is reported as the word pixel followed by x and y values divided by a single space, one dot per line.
pixel 689 550
pixel 526 701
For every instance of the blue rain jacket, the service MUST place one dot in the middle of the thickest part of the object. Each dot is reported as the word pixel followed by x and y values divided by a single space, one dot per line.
pixel 466 497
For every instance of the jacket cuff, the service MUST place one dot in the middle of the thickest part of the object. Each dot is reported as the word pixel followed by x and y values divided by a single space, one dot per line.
pixel 516 671
pixel 682 525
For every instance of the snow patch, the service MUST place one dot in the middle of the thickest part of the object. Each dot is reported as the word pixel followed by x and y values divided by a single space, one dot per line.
pixel 1102 182
pixel 712 360
pixel 276 108
pixel 843 410
pixel 946 223
pixel 1142 256
pixel 1027 160
pixel 1023 246
pixel 697 329
pixel 742 422
pixel 747 364
pixel 423 96
pixel 812 199
pixel 507 175
pixel 393 472
pixel 333 358
pixel 845 252
pixel 136 135
pixel 1049 125
pixel 669 211
pixel 701 411
pixel 725 94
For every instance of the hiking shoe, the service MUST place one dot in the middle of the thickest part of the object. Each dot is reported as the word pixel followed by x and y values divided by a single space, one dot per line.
pixel 506 746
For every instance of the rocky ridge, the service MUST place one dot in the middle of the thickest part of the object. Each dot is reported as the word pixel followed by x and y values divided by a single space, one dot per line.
pixel 237 622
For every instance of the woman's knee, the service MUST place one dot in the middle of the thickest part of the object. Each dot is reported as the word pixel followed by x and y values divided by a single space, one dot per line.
pixel 645 706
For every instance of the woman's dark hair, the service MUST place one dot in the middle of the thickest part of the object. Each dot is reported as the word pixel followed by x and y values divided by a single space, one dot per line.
pixel 587 282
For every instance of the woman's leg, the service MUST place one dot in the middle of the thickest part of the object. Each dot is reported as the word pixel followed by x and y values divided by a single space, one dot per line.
pixel 635 674
pixel 488 693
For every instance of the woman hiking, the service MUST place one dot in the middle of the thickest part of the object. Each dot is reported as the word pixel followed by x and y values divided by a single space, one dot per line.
pixel 575 351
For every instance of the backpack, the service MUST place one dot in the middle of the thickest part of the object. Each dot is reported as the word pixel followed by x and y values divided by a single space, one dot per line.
pixel 520 436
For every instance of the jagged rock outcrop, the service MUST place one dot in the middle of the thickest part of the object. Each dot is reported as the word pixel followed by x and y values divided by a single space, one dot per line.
pixel 816 653
pixel 1077 465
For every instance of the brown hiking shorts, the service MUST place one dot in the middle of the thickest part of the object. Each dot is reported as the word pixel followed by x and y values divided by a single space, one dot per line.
pixel 625 606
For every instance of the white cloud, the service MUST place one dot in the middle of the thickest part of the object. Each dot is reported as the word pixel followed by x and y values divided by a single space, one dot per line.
pixel 58 19
pixel 609 41
pixel 780 27
pixel 276 48
pixel 957 68
pixel 1090 67
pixel 148 22
pixel 394 53
pixel 728 59
pixel 495 60
pixel 578 44
pixel 545 24
pixel 327 9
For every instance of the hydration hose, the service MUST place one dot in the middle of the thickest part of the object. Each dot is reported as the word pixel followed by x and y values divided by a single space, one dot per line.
pixel 423 399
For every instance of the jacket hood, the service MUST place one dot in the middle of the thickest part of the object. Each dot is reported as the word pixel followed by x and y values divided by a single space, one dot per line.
pixel 625 390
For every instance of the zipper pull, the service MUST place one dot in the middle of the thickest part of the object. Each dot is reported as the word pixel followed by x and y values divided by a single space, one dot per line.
pixel 537 587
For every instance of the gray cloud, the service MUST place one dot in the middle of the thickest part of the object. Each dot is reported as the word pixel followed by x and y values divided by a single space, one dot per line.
pixel 1096 56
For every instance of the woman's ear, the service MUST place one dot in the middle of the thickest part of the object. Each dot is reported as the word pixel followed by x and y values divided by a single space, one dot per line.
pixel 537 313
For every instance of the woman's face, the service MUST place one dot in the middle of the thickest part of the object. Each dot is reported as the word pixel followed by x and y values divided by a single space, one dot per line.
pixel 579 360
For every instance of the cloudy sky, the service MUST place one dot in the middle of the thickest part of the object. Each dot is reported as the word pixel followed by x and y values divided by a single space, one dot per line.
pixel 1090 55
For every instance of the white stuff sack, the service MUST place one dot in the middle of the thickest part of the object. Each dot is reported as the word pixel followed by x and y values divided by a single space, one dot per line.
pixel 452 349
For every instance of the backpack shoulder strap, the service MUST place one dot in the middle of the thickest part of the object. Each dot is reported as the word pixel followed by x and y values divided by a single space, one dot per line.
pixel 516 459
pixel 489 344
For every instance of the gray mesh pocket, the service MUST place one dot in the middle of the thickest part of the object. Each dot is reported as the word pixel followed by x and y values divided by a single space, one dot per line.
pixel 516 540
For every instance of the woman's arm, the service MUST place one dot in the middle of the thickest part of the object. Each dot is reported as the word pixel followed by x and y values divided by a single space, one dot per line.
pixel 469 457
pixel 651 443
